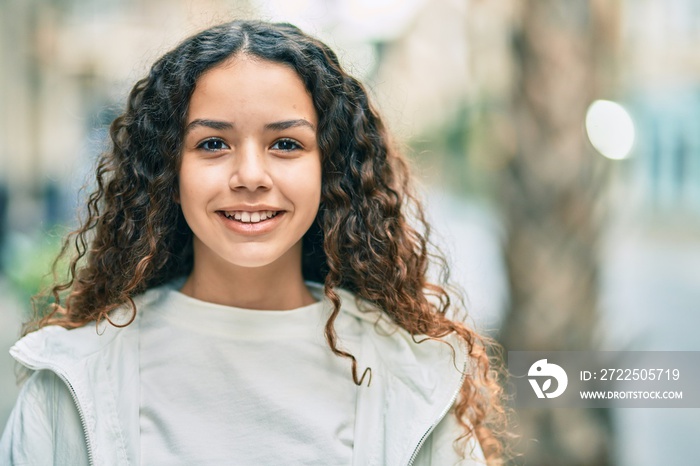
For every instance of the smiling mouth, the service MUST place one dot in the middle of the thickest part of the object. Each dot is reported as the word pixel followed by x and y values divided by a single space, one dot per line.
pixel 249 217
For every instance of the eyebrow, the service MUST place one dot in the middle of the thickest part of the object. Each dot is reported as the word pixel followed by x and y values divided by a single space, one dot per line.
pixel 225 125
pixel 281 125
pixel 214 124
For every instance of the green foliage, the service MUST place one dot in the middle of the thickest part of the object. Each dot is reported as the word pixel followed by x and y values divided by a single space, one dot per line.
pixel 28 260
pixel 460 149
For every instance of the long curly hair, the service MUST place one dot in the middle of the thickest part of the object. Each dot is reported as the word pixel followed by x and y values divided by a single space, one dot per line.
pixel 135 237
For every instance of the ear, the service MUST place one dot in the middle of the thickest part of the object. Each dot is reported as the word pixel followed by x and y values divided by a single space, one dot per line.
pixel 176 197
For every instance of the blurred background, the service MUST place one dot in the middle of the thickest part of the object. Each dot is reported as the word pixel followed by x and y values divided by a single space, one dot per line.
pixel 557 145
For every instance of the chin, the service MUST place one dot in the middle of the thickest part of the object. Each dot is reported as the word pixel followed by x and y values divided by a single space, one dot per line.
pixel 253 262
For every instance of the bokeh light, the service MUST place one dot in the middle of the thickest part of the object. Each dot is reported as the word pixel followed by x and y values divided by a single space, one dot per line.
pixel 610 129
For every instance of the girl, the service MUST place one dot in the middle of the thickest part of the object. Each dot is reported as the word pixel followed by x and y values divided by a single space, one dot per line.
pixel 247 286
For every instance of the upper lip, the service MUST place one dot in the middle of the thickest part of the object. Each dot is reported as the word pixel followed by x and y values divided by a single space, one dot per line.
pixel 250 208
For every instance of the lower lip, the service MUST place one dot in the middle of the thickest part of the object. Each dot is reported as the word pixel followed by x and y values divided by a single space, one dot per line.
pixel 251 228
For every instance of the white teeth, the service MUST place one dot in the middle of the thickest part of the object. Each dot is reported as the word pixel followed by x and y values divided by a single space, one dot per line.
pixel 250 217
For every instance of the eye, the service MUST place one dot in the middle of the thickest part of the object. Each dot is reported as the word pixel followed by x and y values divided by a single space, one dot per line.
pixel 213 145
pixel 286 145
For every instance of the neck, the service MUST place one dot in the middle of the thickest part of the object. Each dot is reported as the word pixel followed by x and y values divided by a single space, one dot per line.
pixel 277 286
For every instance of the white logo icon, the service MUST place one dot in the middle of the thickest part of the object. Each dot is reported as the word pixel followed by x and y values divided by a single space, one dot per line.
pixel 543 369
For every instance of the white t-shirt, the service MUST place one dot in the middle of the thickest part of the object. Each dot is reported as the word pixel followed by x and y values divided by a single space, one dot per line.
pixel 225 385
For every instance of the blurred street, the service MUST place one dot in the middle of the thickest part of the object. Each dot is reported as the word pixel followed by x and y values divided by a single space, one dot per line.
pixel 10 322
pixel 651 302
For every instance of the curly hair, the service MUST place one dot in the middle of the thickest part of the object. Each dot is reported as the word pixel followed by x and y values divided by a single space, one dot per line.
pixel 135 236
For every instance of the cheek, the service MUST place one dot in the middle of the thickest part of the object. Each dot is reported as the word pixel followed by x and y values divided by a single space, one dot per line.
pixel 194 199
pixel 307 186
pixel 299 177
pixel 191 196
pixel 196 182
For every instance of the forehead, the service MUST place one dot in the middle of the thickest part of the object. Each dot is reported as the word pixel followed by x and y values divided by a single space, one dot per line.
pixel 244 86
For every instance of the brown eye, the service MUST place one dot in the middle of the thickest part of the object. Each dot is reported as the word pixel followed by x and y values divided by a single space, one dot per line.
pixel 213 145
pixel 286 145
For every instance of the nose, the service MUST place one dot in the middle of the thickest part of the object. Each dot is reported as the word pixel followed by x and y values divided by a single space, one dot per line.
pixel 250 169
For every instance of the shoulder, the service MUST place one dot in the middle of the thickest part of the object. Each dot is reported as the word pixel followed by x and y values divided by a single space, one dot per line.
pixel 93 358
pixel 40 386
pixel 404 352
pixel 419 379
pixel 44 425
pixel 59 345
pixel 44 396
pixel 432 366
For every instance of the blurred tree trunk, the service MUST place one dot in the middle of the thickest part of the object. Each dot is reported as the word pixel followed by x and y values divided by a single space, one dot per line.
pixel 550 190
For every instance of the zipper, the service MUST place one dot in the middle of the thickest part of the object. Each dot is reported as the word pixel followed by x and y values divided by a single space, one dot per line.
pixel 71 389
pixel 442 415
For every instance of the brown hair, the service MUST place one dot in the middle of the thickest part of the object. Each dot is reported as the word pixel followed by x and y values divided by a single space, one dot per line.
pixel 135 236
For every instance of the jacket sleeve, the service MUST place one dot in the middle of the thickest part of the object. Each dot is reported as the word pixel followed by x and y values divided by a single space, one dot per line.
pixel 42 426
pixel 439 449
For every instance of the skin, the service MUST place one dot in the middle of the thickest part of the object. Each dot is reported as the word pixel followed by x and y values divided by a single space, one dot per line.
pixel 241 159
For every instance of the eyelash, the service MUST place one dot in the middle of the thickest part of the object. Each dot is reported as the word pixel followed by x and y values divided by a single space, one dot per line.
pixel 287 140
pixel 203 145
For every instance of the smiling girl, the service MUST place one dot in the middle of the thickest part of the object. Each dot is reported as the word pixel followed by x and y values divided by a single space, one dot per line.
pixel 248 287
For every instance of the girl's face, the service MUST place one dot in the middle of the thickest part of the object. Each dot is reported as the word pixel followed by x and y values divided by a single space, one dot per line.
pixel 250 178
